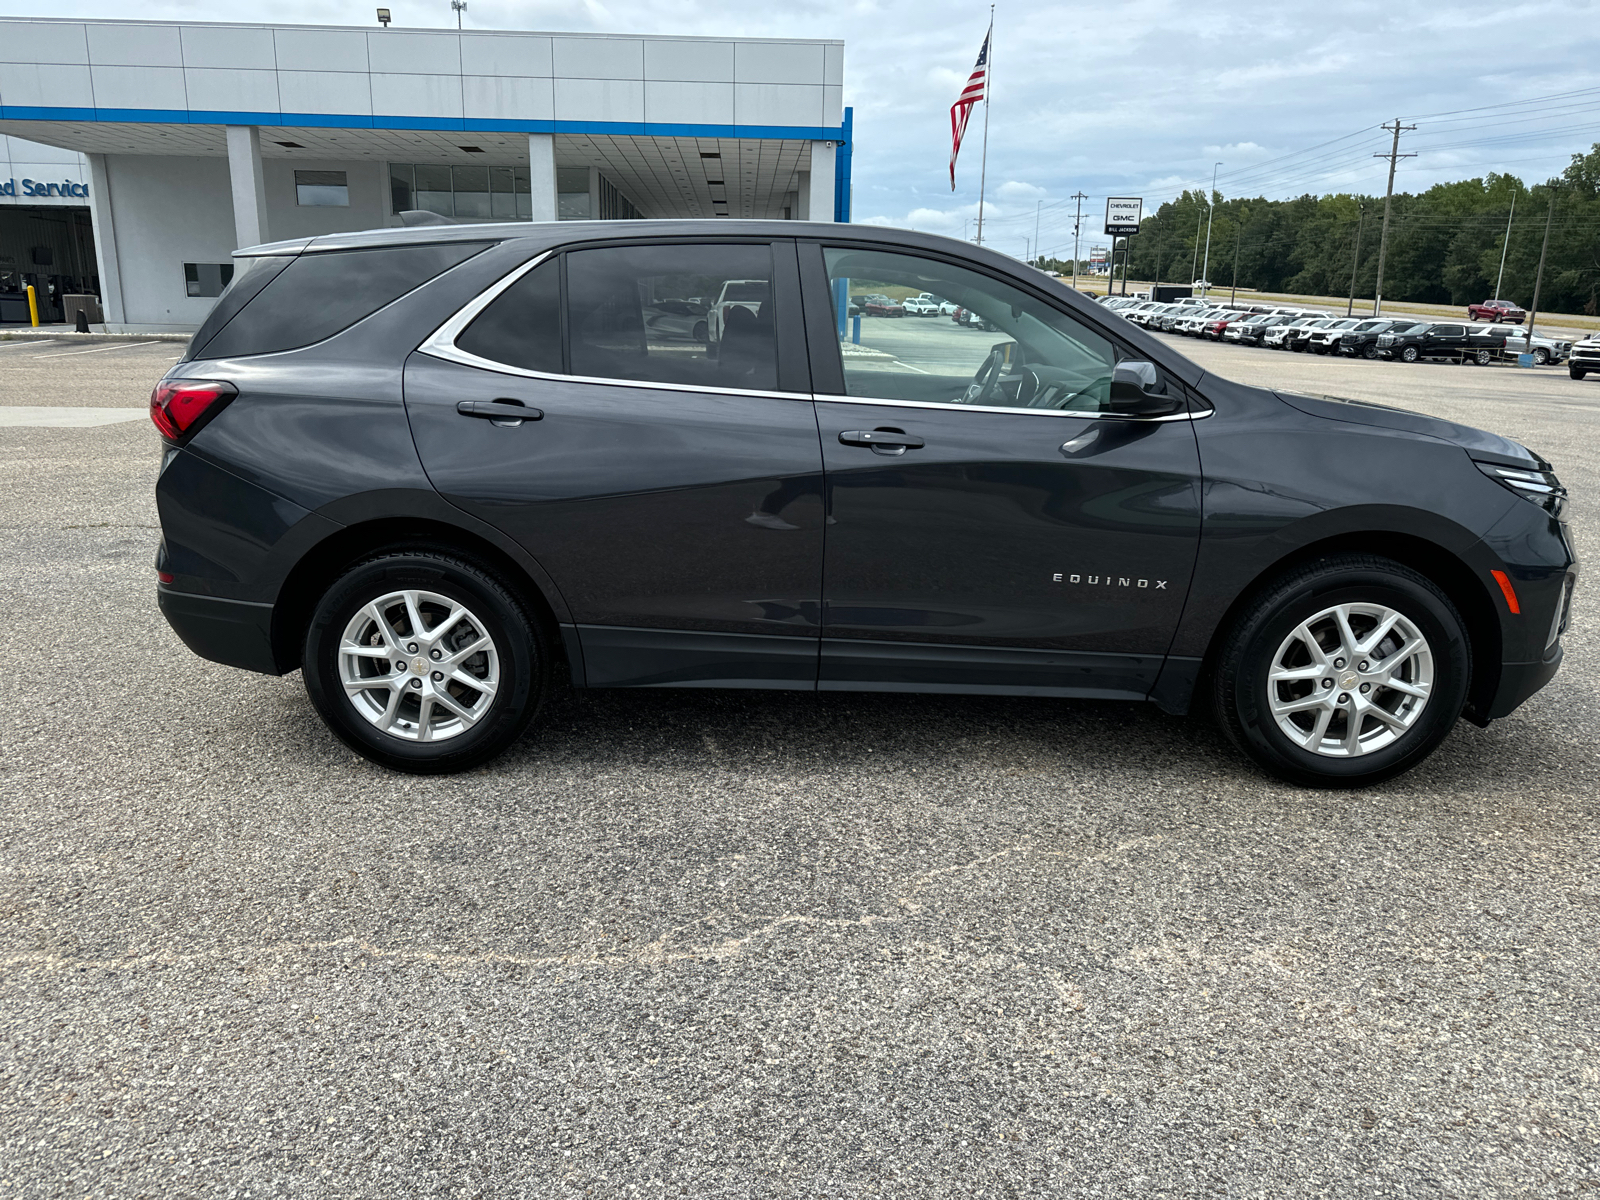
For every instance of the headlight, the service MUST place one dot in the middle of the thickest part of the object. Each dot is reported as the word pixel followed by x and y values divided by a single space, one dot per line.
pixel 1541 487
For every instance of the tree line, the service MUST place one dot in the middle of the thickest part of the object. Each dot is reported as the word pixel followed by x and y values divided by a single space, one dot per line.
pixel 1445 244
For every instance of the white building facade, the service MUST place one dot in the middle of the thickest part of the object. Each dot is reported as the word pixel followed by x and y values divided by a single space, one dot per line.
pixel 192 140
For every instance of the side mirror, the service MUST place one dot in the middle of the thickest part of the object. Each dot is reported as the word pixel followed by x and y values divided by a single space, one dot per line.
pixel 1137 391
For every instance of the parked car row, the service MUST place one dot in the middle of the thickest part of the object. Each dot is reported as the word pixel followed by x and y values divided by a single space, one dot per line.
pixel 1405 339
pixel 875 304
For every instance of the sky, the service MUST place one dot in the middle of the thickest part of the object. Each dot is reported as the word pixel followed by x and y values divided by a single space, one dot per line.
pixel 1138 98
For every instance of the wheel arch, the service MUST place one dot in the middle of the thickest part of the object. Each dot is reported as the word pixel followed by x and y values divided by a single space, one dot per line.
pixel 324 562
pixel 1447 570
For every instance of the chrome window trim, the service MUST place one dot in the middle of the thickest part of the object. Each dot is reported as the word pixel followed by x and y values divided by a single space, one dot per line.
pixel 1031 412
pixel 441 344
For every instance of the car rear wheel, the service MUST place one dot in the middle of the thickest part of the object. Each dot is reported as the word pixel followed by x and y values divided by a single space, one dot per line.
pixel 1483 358
pixel 1410 354
pixel 424 662
pixel 1348 671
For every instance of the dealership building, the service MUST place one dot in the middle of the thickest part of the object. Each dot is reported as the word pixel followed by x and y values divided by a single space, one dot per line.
pixel 137 156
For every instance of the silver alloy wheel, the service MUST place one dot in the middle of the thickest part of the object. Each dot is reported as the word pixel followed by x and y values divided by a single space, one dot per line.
pixel 419 666
pixel 1350 680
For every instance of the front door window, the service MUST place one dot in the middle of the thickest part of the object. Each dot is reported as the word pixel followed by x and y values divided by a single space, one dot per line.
pixel 999 348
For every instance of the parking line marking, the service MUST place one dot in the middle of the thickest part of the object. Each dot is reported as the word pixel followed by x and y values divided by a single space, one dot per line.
pixel 26 417
pixel 20 345
pixel 96 350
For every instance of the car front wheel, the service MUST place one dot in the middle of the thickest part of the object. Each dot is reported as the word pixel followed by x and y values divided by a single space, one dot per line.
pixel 1410 354
pixel 1348 671
pixel 424 662
pixel 1541 356
pixel 1370 352
pixel 1577 372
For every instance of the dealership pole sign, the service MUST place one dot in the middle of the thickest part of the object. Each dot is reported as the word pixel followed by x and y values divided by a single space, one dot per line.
pixel 1123 214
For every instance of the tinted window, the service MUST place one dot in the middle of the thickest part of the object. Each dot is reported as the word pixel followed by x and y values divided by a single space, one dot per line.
pixel 318 295
pixel 1003 348
pixel 1450 330
pixel 249 277
pixel 522 326
pixel 699 315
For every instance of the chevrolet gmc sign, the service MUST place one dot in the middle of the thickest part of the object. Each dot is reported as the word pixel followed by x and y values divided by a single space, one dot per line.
pixel 1123 214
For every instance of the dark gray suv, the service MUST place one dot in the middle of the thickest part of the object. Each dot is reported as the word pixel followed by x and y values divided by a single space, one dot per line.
pixel 438 469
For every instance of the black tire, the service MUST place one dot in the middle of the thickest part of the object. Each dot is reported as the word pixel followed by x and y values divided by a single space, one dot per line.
pixel 700 333
pixel 1577 372
pixel 1541 356
pixel 1240 684
pixel 1483 357
pixel 1410 354
pixel 1371 352
pixel 519 641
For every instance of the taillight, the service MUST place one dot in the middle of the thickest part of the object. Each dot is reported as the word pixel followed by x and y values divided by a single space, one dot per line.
pixel 176 404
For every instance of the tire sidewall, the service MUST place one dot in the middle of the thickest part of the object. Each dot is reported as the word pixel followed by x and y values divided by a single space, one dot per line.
pixel 1281 613
pixel 521 662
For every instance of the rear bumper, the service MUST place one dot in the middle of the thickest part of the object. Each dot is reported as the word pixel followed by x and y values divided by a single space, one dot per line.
pixel 236 633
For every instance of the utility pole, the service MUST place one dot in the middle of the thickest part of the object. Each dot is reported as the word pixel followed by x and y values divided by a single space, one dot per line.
pixel 460 6
pixel 1077 221
pixel 1205 271
pixel 1393 156
pixel 1355 261
pixel 1500 278
pixel 1037 210
pixel 1538 279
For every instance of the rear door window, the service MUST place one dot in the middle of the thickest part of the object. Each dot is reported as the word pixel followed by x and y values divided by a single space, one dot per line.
pixel 685 314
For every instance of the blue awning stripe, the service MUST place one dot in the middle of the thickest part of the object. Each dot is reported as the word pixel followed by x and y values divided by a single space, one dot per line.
pixel 165 116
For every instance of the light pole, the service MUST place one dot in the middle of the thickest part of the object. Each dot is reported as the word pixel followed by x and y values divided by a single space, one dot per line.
pixel 460 7
pixel 1500 278
pixel 1355 261
pixel 1205 271
pixel 1194 259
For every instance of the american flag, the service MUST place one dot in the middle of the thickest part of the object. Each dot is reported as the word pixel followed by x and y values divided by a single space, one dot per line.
pixel 962 108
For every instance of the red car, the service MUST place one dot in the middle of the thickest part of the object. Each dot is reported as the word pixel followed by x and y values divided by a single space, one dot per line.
pixel 882 306
pixel 1497 311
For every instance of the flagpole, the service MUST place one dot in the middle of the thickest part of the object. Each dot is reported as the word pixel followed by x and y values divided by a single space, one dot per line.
pixel 988 86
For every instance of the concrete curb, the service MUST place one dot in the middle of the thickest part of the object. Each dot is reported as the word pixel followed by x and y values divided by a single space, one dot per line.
pixel 26 334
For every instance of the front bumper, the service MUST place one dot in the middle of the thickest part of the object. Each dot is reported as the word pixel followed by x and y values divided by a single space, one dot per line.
pixel 236 633
pixel 1518 681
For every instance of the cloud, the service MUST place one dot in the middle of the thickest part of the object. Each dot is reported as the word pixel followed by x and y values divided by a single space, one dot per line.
pixel 1015 189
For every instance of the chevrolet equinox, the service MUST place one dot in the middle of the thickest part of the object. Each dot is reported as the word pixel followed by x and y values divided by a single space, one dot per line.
pixel 436 469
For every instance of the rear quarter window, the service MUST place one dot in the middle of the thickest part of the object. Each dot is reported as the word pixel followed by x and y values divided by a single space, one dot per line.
pixel 320 294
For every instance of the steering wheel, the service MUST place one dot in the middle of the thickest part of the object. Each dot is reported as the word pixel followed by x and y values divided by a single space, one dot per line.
pixel 984 384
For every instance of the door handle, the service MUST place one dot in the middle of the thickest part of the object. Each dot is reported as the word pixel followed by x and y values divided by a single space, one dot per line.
pixel 888 439
pixel 512 412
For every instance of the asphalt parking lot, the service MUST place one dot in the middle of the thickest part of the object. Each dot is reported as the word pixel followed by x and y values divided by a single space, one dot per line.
pixel 752 944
